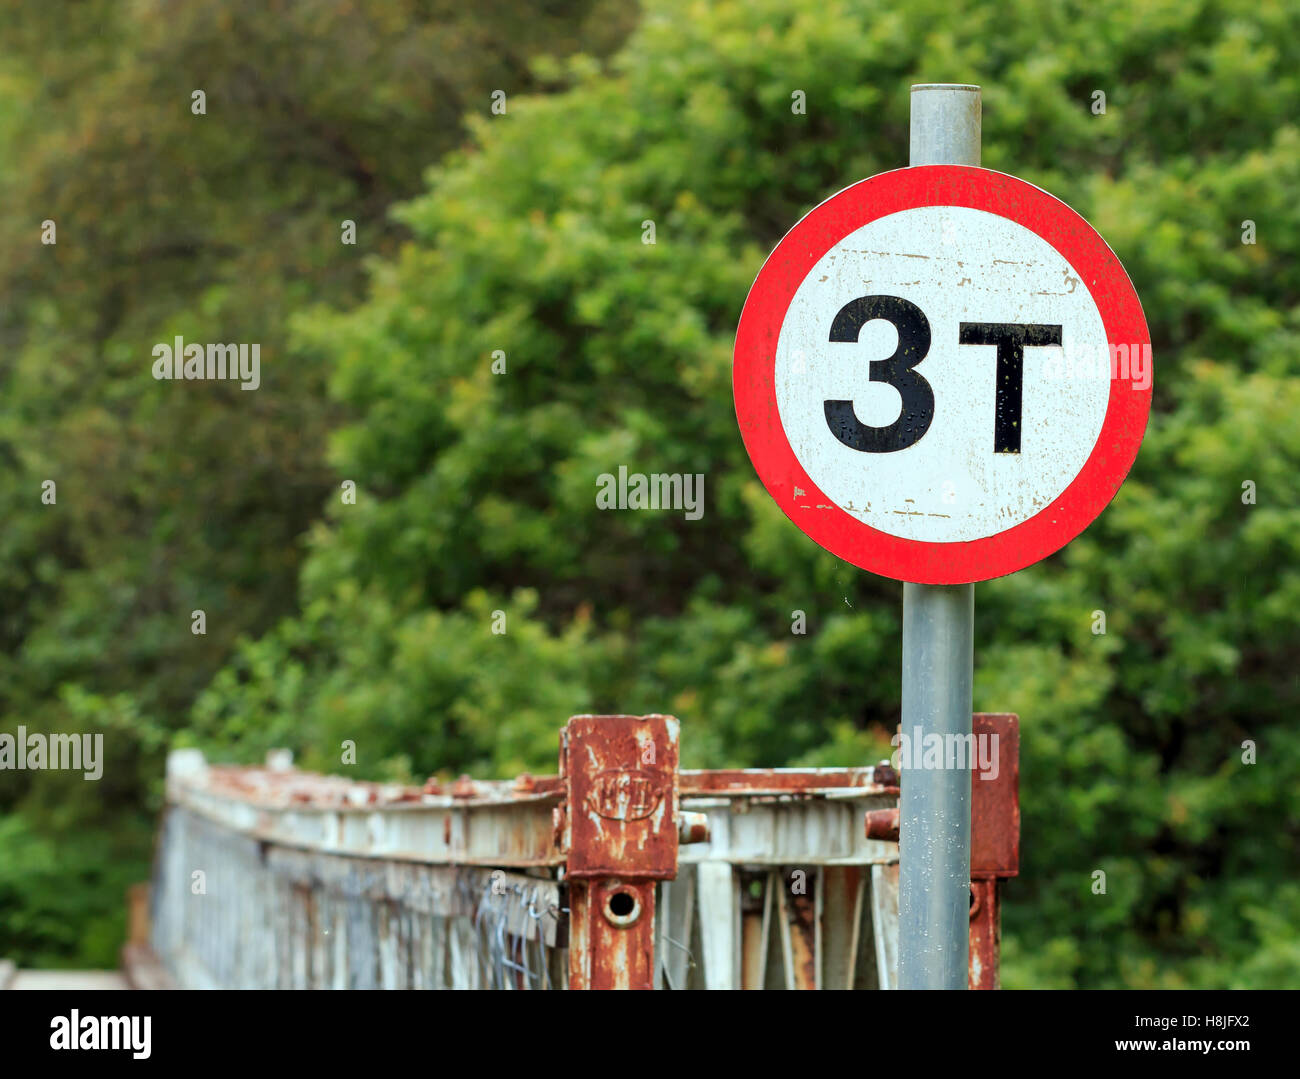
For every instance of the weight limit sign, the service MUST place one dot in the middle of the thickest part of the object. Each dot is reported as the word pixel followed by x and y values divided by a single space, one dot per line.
pixel 942 374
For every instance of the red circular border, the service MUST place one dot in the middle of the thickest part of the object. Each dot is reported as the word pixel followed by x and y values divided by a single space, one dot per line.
pixel 753 375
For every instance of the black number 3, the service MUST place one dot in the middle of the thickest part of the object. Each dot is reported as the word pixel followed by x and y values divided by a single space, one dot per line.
pixel 897 371
pixel 917 395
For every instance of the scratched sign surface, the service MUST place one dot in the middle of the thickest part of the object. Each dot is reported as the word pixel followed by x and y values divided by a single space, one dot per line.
pixel 942 374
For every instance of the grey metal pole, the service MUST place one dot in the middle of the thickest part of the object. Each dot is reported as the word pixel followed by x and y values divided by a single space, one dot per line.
pixel 945 124
pixel 938 658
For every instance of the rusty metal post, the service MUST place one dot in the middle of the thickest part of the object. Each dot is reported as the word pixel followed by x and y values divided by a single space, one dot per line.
pixel 985 934
pixel 938 635
pixel 619 829
pixel 995 842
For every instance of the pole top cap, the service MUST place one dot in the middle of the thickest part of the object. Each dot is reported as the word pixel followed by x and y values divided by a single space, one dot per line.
pixel 945 86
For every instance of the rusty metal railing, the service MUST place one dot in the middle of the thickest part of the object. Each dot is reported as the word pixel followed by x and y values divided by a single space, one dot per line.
pixel 622 871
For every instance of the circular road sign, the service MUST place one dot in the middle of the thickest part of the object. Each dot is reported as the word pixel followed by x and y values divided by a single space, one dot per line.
pixel 942 374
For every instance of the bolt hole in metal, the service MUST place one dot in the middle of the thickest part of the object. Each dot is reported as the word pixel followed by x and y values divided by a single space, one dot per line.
pixel 622 908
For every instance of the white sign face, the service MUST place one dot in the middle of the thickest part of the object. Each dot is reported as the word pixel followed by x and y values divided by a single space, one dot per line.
pixel 942 374
pixel 956 265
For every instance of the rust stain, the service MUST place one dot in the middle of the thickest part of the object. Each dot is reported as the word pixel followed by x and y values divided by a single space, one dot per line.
pixel 753 781
pixel 995 803
pixel 985 935
pixel 882 824
pixel 802 913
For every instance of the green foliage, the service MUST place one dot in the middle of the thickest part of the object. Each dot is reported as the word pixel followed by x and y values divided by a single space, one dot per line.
pixel 216 227
pixel 476 491
pixel 475 486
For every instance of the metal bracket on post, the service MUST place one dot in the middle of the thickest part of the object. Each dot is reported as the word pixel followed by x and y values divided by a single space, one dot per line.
pixel 995 838
pixel 995 842
pixel 619 830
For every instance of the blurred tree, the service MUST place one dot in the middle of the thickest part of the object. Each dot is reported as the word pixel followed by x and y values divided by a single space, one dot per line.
pixel 213 224
pixel 476 490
